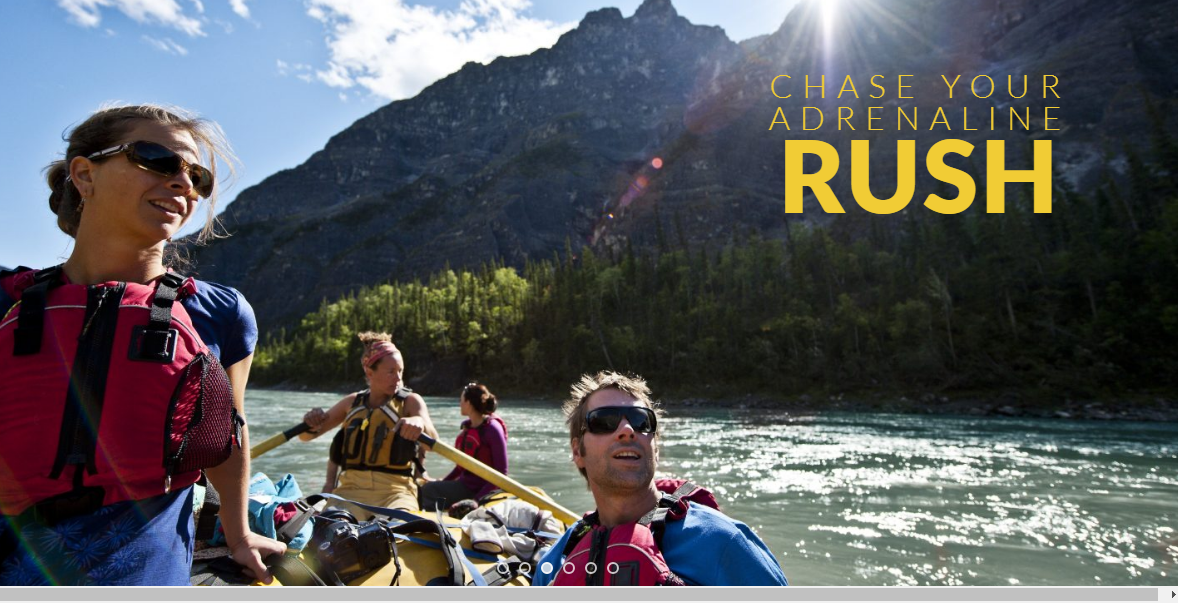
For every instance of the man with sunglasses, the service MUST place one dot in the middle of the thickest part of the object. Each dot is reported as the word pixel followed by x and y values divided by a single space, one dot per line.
pixel 613 433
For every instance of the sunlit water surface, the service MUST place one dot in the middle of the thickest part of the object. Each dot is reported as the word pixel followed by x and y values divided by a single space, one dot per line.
pixel 859 499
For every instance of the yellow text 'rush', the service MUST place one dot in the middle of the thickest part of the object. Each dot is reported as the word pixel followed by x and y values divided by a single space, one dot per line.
pixel 997 175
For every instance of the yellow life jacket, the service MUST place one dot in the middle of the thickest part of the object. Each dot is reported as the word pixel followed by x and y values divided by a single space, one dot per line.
pixel 367 439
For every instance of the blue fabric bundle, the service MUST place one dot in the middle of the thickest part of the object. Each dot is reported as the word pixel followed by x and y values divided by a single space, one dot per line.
pixel 264 497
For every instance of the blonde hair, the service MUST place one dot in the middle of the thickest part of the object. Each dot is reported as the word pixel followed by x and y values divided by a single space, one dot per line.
pixel 371 339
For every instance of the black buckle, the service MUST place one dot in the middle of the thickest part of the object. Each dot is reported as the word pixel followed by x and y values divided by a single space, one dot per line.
pixel 152 345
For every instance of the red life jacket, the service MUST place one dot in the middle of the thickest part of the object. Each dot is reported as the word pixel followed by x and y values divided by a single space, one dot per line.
pixel 107 394
pixel 628 554
pixel 470 440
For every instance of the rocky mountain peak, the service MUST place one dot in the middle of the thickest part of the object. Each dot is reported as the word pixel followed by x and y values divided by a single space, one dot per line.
pixel 639 131
pixel 605 16
pixel 660 10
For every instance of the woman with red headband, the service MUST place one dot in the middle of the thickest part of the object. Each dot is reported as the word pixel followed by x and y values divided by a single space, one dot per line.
pixel 376 446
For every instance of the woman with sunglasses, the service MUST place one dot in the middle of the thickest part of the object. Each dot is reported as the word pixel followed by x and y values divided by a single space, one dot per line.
pixel 376 444
pixel 483 436
pixel 108 512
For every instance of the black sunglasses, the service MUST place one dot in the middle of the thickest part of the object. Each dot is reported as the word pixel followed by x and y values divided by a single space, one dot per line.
pixel 605 420
pixel 159 159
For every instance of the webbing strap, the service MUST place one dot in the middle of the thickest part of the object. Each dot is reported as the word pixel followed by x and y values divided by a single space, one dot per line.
pixel 290 571
pixel 291 528
pixel 495 577
pixel 456 561
pixel 656 519
pixel 528 531
pixel 165 295
pixel 78 437
pixel 426 542
pixel 398 514
pixel 30 322
pixel 413 523
pixel 156 342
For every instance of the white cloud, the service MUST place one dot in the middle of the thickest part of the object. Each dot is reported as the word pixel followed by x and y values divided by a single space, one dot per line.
pixel 302 72
pixel 240 8
pixel 394 50
pixel 167 45
pixel 88 13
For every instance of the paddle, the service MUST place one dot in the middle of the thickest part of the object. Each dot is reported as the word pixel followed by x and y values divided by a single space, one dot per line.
pixel 279 439
pixel 480 469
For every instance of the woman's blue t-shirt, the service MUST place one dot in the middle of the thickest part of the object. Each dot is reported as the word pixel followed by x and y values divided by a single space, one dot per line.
pixel 147 542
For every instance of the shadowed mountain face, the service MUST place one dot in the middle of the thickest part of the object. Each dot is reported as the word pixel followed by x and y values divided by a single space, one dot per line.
pixel 631 125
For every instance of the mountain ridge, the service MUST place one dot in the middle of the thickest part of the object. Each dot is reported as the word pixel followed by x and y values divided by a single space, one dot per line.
pixel 509 160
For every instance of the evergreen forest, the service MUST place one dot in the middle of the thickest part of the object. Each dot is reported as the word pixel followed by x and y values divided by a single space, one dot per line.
pixel 1079 303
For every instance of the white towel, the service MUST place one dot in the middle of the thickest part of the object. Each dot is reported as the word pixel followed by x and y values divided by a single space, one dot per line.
pixel 487 527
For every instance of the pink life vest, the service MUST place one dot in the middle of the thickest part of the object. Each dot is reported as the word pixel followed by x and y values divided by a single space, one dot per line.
pixel 470 440
pixel 108 395
pixel 628 554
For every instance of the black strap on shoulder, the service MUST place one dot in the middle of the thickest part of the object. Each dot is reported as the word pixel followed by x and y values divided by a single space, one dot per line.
pixel 656 519
pixel 4 271
pixel 30 322
pixel 361 398
pixel 579 530
pixel 403 393
pixel 156 341
pixel 83 406
pixel 684 490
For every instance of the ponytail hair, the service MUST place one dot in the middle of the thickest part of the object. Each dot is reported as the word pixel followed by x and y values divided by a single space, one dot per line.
pixel 480 398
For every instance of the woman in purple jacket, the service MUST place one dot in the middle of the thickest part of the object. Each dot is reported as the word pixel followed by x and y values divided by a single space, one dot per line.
pixel 483 436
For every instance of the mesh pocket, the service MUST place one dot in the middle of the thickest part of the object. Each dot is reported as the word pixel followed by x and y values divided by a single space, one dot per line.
pixel 202 423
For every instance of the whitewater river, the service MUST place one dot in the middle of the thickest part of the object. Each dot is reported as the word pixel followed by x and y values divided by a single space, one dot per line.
pixel 857 499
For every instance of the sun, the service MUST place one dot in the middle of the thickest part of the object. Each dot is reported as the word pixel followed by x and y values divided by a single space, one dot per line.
pixel 830 11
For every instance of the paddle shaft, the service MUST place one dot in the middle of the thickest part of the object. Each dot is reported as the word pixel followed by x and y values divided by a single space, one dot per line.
pixel 279 439
pixel 480 469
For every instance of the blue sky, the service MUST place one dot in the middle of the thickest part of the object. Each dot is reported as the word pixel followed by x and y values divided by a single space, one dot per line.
pixel 280 76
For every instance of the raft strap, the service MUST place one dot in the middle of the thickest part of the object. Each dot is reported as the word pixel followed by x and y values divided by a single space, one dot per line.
pixel 290 571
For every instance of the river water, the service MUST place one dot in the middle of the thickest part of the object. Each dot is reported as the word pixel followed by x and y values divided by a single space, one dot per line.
pixel 868 499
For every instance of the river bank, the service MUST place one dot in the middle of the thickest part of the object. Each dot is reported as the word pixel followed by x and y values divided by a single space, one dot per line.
pixel 1145 407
